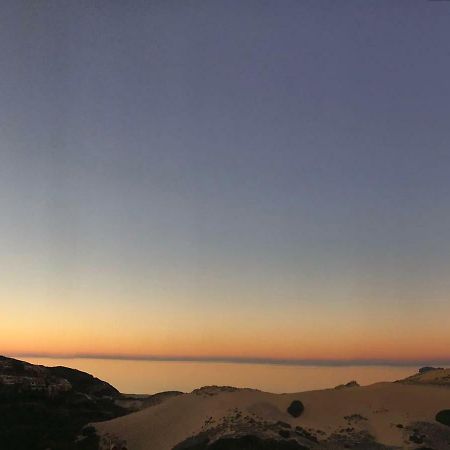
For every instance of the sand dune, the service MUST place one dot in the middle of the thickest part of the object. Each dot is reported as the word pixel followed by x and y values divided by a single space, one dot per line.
pixel 382 415
pixel 438 377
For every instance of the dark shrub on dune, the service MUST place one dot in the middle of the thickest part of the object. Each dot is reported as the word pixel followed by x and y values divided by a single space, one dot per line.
pixel 284 433
pixel 426 369
pixel 296 408
pixel 443 417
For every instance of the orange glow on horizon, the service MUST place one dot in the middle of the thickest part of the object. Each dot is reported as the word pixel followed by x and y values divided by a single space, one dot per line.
pixel 346 348
pixel 179 329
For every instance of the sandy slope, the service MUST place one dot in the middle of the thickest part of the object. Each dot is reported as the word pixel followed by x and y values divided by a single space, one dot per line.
pixel 378 409
pixel 439 377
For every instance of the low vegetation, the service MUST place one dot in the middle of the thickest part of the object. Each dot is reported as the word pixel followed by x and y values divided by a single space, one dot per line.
pixel 443 417
pixel 247 442
pixel 296 408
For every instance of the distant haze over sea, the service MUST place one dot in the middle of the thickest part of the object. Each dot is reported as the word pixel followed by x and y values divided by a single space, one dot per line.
pixel 151 376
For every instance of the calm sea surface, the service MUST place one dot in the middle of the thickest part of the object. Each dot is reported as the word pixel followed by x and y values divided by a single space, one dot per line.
pixel 155 376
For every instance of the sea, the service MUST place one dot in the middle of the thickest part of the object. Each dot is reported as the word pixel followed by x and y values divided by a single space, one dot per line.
pixel 149 377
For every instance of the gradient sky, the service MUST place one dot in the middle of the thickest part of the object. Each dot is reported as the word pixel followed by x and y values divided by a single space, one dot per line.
pixel 225 178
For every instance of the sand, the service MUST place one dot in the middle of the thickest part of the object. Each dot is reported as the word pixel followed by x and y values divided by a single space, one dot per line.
pixel 386 411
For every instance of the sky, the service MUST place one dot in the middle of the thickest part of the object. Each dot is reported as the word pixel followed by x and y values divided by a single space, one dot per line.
pixel 225 179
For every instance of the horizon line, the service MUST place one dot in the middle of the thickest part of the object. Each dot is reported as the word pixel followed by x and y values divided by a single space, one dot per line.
pixel 245 360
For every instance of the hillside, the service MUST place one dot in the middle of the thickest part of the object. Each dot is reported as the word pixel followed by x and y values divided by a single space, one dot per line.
pixel 20 376
pixel 380 416
pixel 46 408
pixel 58 408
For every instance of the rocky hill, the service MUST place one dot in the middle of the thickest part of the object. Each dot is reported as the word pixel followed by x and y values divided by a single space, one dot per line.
pixel 45 408
pixel 21 377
